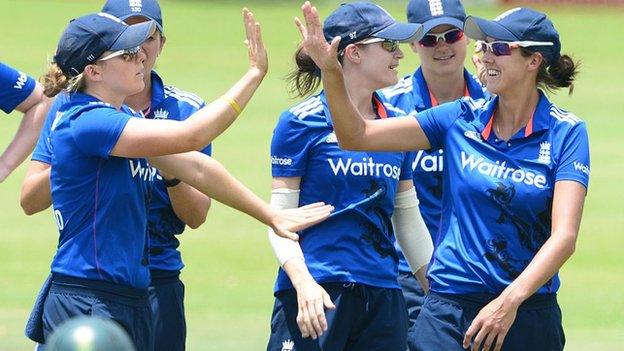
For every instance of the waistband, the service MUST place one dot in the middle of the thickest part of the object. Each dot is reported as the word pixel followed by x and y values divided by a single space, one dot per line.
pixel 98 288
pixel 479 300
pixel 163 277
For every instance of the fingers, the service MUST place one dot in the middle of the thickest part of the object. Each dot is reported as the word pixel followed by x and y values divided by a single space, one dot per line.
pixel 334 45
pixel 259 42
pixel 302 28
pixel 489 340
pixel 481 335
pixel 303 321
pixel 287 234
pixel 474 327
pixel 316 330
pixel 248 20
pixel 327 302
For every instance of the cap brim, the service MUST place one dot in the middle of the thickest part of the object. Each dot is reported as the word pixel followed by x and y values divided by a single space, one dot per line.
pixel 403 32
pixel 480 29
pixel 134 36
pixel 160 28
pixel 438 21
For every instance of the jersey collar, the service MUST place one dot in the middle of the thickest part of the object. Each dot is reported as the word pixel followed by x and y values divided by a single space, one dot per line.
pixel 158 90
pixel 423 99
pixel 539 120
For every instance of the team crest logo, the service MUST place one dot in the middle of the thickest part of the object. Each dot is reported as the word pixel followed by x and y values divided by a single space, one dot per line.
pixel 435 6
pixel 470 134
pixel 544 153
pixel 288 345
pixel 161 114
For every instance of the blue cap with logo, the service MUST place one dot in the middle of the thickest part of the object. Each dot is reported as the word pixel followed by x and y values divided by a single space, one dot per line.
pixel 518 24
pixel 86 38
pixel 125 9
pixel 356 21
pixel 432 13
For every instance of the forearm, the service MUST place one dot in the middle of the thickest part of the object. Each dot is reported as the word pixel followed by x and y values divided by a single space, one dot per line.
pixel 421 275
pixel 297 272
pixel 189 204
pixel 211 178
pixel 36 195
pixel 548 260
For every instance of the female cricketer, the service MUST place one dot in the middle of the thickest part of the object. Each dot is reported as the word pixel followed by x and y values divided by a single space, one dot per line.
pixel 440 78
pixel 100 184
pixel 516 171
pixel 348 264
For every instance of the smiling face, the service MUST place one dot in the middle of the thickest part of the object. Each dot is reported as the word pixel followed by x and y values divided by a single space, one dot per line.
pixel 443 58
pixel 375 63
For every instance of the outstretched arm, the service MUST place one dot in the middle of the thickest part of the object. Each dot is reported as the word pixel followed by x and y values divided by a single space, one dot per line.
pixel 352 131
pixel 35 108
pixel 144 138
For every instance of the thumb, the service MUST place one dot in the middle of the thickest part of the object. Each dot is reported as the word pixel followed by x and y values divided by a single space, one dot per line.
pixel 334 45
pixel 327 301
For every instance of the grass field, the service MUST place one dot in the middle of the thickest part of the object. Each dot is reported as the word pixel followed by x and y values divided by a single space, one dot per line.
pixel 230 267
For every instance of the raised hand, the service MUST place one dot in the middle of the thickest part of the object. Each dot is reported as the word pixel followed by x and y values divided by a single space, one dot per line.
pixel 313 42
pixel 255 47
pixel 286 222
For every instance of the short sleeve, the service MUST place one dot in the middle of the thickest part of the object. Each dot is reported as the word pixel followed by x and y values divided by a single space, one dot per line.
pixel 436 121
pixel 96 131
pixel 573 162
pixel 406 166
pixel 15 87
pixel 289 147
pixel 43 148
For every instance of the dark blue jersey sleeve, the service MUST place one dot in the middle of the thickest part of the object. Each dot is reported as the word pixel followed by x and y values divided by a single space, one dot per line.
pixel 573 162
pixel 96 131
pixel 436 121
pixel 15 87
pixel 289 147
pixel 43 149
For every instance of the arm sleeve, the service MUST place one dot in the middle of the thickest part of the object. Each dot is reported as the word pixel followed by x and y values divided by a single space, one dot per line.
pixel 15 87
pixel 573 162
pixel 96 131
pixel 406 166
pixel 289 147
pixel 436 121
pixel 410 230
pixel 284 249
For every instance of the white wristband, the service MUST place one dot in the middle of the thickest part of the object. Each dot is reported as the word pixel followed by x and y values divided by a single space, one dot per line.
pixel 410 230
pixel 284 249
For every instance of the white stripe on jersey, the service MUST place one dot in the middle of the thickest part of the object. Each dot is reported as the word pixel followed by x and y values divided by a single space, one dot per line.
pixel 182 95
pixel 304 114
pixel 395 109
pixel 307 104
pixel 402 87
pixel 564 116
pixel 475 104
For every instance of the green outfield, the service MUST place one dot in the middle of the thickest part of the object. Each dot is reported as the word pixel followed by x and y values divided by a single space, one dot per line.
pixel 230 266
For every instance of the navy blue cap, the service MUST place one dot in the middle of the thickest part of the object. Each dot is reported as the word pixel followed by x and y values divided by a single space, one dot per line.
pixel 125 9
pixel 86 38
pixel 432 13
pixel 356 21
pixel 519 24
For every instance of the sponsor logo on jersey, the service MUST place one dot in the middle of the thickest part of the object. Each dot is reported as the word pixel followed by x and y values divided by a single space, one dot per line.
pixel 161 113
pixel 581 167
pixel 501 171
pixel 429 163
pixel 544 153
pixel 21 81
pixel 146 173
pixel 365 168
pixel 281 161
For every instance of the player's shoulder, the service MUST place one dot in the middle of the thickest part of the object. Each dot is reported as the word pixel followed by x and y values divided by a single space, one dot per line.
pixel 404 86
pixel 308 111
pixel 181 98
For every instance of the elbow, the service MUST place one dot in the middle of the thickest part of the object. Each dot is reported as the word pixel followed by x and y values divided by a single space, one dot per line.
pixel 196 221
pixel 28 207
pixel 349 144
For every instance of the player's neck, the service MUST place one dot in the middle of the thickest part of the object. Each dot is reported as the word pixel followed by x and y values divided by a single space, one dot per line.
pixel 360 95
pixel 514 111
pixel 143 99
pixel 445 87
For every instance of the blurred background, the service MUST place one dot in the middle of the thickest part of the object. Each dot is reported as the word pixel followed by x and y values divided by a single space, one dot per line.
pixel 230 267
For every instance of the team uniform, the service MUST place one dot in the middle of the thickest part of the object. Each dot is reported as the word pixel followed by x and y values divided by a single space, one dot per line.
pixel 15 87
pixel 352 253
pixel 497 204
pixel 99 201
pixel 166 290
pixel 412 96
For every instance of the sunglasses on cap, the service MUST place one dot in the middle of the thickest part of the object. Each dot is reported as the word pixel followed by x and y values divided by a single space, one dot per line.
pixel 450 36
pixel 126 55
pixel 503 48
pixel 386 44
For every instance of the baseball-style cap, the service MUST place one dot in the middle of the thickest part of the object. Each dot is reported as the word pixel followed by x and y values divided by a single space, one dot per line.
pixel 519 24
pixel 356 21
pixel 432 13
pixel 125 9
pixel 86 38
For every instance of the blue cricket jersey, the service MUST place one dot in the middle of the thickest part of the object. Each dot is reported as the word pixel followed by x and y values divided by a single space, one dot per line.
pixel 171 103
pixel 99 201
pixel 356 244
pixel 497 201
pixel 15 87
pixel 411 95
pixel 167 103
